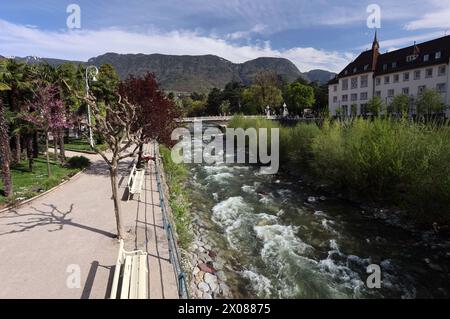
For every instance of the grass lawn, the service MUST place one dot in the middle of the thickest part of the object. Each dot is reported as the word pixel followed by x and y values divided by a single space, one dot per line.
pixel 81 145
pixel 27 184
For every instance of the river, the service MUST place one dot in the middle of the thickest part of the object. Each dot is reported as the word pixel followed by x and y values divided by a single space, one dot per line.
pixel 279 238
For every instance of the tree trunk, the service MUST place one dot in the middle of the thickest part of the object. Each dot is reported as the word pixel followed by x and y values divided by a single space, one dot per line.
pixel 30 154
pixel 4 153
pixel 62 151
pixel 36 144
pixel 115 196
pixel 49 173
pixel 17 149
pixel 55 145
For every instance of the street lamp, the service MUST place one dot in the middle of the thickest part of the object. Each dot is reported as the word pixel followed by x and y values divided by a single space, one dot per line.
pixel 94 79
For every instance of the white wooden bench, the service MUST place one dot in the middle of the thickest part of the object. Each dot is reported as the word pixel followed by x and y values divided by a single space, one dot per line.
pixel 131 275
pixel 135 181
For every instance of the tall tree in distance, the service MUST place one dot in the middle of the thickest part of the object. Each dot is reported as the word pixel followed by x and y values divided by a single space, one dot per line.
pixel 4 147
pixel 299 96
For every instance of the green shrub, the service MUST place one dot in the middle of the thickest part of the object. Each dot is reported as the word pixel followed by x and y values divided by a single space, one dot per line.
pixel 78 162
pixel 402 162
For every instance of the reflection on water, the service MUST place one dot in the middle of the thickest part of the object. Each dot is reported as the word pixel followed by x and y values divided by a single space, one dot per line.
pixel 281 243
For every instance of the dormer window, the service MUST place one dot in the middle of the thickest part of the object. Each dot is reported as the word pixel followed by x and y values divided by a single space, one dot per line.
pixel 366 67
pixel 394 64
pixel 438 55
pixel 426 58
pixel 411 58
pixel 354 70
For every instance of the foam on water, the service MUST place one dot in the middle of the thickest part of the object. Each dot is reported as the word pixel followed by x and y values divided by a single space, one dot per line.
pixel 260 284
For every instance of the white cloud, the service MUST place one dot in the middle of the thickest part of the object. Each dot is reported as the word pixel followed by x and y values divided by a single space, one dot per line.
pixel 439 19
pixel 20 40
pixel 259 28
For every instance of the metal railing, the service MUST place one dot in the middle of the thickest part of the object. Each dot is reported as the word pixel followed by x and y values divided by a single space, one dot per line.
pixel 174 255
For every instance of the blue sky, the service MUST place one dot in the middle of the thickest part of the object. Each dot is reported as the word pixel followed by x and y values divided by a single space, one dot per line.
pixel 313 34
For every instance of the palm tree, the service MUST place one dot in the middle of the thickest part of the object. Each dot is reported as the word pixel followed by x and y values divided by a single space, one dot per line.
pixel 14 75
pixel 4 140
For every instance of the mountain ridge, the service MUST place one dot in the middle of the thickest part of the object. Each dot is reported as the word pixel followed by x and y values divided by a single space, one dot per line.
pixel 189 73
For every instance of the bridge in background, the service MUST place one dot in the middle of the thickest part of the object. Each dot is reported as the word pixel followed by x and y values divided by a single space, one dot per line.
pixel 223 120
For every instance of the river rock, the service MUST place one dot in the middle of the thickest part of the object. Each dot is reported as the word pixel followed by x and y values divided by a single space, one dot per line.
pixel 203 287
pixel 196 271
pixel 207 268
pixel 225 290
pixel 212 254
pixel 210 279
pixel 207 296
pixel 221 276
pixel 218 265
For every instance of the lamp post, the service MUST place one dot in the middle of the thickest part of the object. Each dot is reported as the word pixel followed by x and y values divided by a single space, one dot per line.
pixel 94 79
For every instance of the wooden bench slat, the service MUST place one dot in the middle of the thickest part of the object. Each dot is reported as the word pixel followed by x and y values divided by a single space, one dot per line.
pixel 126 278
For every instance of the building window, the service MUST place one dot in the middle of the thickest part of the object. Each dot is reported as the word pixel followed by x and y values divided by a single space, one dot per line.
pixel 378 93
pixel 396 78
pixel 334 99
pixel 441 87
pixel 354 97
pixel 346 72
pixel 387 79
pixel 335 88
pixel 426 58
pixel 429 73
pixel 378 81
pixel 394 64
pixel 366 67
pixel 355 70
pixel 438 55
pixel 354 83
pixel 421 89
pixel 417 75
pixel 441 70
pixel 406 77
pixel 384 67
pixel 391 93
pixel 411 58
pixel 405 91
pixel 345 84
pixel 363 96
pixel 344 98
pixel 364 81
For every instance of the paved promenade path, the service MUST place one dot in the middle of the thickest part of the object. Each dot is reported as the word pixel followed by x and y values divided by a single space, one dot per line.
pixel 43 242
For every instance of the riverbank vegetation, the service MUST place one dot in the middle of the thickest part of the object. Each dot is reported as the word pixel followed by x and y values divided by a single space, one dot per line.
pixel 384 160
pixel 177 175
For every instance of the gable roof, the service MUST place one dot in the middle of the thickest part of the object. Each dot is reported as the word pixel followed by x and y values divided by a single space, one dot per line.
pixel 396 61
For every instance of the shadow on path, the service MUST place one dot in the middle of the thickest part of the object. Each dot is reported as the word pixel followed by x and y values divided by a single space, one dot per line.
pixel 42 218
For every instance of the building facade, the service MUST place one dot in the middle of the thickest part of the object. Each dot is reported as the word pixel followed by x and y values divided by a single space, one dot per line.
pixel 405 71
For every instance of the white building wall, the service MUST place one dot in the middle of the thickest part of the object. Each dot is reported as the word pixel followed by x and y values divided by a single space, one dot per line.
pixel 336 101
pixel 412 84
pixel 336 98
